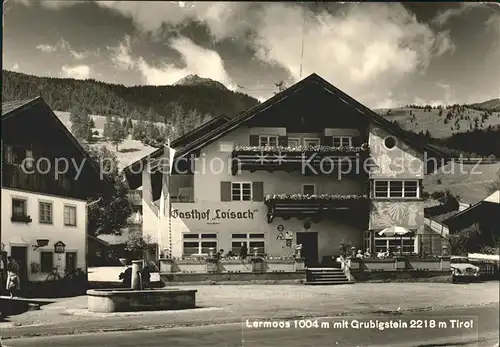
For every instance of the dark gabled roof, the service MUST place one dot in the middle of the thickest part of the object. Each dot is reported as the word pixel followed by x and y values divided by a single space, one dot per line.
pixel 473 208
pixel 98 240
pixel 10 106
pixel 314 78
pixel 13 108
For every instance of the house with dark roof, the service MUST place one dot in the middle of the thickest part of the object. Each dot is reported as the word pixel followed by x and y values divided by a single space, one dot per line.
pixel 47 179
pixel 311 168
pixel 485 214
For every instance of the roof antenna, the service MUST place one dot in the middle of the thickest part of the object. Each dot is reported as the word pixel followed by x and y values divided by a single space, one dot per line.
pixel 303 35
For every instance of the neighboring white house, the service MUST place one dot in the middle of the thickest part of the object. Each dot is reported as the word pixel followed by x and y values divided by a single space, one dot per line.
pixel 44 214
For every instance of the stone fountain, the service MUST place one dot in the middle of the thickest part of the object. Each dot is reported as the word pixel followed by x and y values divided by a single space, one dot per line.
pixel 136 298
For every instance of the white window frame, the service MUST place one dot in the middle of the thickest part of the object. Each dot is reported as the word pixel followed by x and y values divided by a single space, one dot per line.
pixel 316 139
pixel 267 137
pixel 341 139
pixel 310 184
pixel 51 204
pixel 388 196
pixel 248 239
pixel 241 191
pixel 376 238
pixel 226 146
pixel 199 239
pixel 294 139
pixel 25 205
pixel 367 241
pixel 74 207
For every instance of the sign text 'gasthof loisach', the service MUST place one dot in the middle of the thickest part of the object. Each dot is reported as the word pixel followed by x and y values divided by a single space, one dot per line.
pixel 211 216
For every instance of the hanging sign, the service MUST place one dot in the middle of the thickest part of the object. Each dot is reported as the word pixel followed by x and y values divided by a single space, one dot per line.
pixel 280 227
pixel 288 235
pixel 280 236
pixel 59 247
pixel 289 243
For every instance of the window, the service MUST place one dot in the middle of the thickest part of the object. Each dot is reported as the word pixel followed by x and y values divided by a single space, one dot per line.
pixel 45 213
pixel 29 159
pixel 268 140
pixel 70 216
pixel 390 142
pixel 396 189
pixel 392 244
pixel 9 155
pixel 226 146
pixel 46 262
pixel 293 142
pixel 310 142
pixel 308 189
pixel 241 191
pixel 19 207
pixel 252 240
pixel 342 141
pixel 199 244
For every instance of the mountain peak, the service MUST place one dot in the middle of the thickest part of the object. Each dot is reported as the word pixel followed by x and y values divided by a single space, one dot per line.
pixel 195 80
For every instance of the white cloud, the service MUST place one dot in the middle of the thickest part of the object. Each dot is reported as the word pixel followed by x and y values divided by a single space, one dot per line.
pixel 79 72
pixel 445 16
pixel 449 98
pixel 367 47
pixel 50 4
pixel 121 57
pixel 63 46
pixel 197 60
pixel 46 48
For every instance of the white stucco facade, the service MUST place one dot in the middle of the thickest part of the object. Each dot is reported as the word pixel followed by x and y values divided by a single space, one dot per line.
pixel 22 236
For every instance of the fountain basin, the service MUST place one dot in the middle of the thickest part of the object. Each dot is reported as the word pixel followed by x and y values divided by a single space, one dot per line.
pixel 128 300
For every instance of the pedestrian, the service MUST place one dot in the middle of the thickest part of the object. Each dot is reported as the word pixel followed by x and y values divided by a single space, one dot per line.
pixel 13 283
pixel 243 250
pixel 219 255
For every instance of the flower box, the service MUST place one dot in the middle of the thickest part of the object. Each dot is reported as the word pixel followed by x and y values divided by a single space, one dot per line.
pixel 21 219
pixel 280 265
pixel 379 264
pixel 319 198
pixel 432 264
pixel 235 265
pixel 190 266
pixel 300 149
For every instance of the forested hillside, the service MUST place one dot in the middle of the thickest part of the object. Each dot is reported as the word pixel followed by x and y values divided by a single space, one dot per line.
pixel 151 103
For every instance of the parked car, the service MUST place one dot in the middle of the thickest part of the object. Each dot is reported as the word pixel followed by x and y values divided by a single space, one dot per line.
pixel 462 269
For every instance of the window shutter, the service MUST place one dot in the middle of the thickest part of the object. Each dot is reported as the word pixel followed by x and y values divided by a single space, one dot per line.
pixel 356 141
pixel 225 191
pixel 327 140
pixel 283 141
pixel 258 191
pixel 254 140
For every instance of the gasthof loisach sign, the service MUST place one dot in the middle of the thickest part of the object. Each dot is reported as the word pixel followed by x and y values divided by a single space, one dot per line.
pixel 215 214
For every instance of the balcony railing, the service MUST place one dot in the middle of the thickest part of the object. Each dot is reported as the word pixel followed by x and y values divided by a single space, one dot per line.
pixel 317 207
pixel 326 158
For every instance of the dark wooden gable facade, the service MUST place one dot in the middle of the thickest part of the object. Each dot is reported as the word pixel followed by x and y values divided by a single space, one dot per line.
pixel 30 129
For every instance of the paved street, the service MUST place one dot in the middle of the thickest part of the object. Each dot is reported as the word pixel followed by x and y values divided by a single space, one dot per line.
pixel 485 329
pixel 233 303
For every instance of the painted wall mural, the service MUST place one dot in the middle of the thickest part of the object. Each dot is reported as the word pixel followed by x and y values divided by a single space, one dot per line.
pixel 384 214
pixel 400 161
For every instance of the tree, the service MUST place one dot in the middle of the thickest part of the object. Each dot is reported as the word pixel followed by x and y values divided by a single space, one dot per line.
pixel 494 185
pixel 110 214
pixel 139 131
pixel 80 123
pixel 139 245
pixel 114 131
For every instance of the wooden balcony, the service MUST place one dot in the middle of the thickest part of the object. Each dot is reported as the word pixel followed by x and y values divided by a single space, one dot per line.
pixel 316 207
pixel 308 160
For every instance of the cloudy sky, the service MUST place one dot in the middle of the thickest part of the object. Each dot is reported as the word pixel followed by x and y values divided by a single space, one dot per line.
pixel 384 55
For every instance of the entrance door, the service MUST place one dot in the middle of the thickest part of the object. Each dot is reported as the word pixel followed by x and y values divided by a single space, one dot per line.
pixel 20 255
pixel 309 242
pixel 70 261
